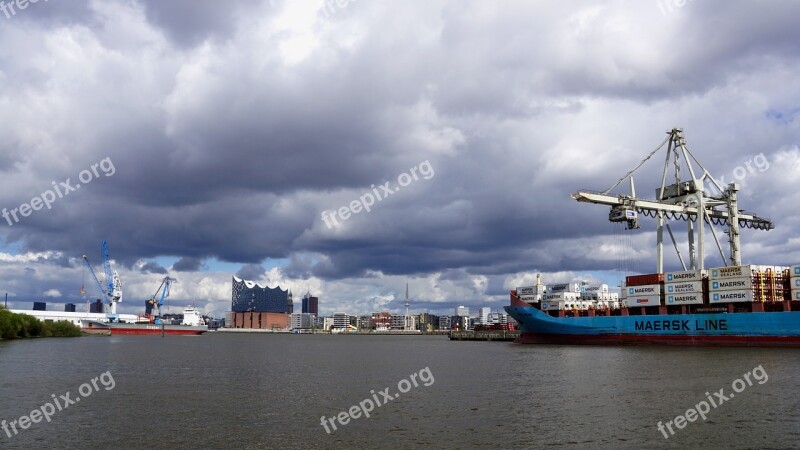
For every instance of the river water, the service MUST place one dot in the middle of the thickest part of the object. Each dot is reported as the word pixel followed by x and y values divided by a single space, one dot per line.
pixel 250 391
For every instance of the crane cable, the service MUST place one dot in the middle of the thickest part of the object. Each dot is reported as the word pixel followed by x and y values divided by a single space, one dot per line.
pixel 639 165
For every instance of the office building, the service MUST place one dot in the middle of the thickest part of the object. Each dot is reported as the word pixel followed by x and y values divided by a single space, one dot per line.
pixel 340 320
pixel 69 307
pixel 462 311
pixel 302 321
pixel 310 304
pixel 444 322
pixel 39 306
pixel 483 318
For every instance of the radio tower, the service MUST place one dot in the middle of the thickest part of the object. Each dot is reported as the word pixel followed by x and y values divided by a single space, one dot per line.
pixel 407 318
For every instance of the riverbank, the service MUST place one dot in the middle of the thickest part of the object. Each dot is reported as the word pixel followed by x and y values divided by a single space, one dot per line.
pixel 20 326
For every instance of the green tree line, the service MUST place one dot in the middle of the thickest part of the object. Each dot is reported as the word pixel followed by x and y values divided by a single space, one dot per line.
pixel 14 326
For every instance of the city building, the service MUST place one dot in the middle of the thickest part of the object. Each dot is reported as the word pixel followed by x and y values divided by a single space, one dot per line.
pixel 382 320
pixel 427 322
pixel 498 317
pixel 327 323
pixel 69 307
pixel 258 320
pixel 483 317
pixel 340 320
pixel 444 322
pixel 302 321
pixel 366 323
pixel 96 307
pixel 310 304
pixel 248 296
pixel 398 322
pixel 462 311
pixel 39 306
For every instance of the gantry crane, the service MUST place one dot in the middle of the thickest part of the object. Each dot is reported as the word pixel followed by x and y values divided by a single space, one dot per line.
pixel 685 200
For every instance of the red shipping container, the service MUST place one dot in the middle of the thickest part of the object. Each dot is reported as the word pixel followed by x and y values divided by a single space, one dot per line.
pixel 641 280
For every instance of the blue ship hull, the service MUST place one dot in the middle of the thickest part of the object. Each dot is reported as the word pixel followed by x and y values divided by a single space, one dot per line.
pixel 750 329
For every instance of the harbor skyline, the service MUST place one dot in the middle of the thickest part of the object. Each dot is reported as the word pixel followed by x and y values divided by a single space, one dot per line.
pixel 454 177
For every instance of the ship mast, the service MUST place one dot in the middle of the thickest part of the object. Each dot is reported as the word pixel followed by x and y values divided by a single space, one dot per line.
pixel 686 200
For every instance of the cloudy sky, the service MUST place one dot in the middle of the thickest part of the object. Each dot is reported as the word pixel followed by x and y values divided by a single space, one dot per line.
pixel 207 138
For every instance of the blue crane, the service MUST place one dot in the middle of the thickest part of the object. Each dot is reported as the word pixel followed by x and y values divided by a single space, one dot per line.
pixel 112 293
pixel 164 289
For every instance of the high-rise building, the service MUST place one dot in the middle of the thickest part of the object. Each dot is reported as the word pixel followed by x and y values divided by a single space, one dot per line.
pixel 310 304
pixel 483 319
pixel 69 307
pixel 96 307
pixel 39 306
pixel 462 311
pixel 248 296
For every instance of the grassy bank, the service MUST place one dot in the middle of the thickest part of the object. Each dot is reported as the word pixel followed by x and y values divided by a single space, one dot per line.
pixel 14 326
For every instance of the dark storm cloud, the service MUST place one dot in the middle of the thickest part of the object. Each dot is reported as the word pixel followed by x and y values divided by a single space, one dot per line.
pixel 233 125
pixel 188 264
pixel 252 272
pixel 153 267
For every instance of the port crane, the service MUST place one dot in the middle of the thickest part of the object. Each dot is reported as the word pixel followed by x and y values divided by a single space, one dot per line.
pixel 153 303
pixel 111 289
pixel 686 200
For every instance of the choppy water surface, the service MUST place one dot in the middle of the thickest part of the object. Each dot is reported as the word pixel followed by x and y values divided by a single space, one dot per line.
pixel 271 391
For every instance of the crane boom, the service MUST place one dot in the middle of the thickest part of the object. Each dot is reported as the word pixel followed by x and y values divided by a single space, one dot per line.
pixel 685 200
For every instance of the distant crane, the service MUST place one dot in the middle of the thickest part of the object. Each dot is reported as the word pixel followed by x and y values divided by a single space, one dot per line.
pixel 164 289
pixel 111 291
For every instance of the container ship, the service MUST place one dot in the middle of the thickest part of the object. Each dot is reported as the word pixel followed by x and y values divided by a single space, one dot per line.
pixel 731 305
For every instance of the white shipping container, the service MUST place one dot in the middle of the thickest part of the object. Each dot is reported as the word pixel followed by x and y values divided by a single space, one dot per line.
pixel 731 272
pixel 794 282
pixel 648 289
pixel 687 275
pixel 684 287
pixel 570 296
pixel 530 290
pixel 794 271
pixel 695 298
pixel 643 300
pixel 795 294
pixel 600 288
pixel 553 305
pixel 730 284
pixel 564 287
pixel 730 296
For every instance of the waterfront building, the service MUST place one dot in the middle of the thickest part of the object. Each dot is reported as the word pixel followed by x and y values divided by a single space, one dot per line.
pixel 302 321
pixel 382 320
pixel 340 320
pixel 462 311
pixel 427 322
pixel 248 296
pixel 398 322
pixel 365 323
pixel 258 320
pixel 444 322
pixel 327 323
